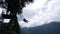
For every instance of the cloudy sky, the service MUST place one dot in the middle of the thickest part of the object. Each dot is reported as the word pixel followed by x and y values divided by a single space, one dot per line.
pixel 41 12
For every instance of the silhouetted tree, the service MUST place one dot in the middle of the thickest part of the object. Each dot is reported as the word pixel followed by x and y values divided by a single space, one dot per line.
pixel 14 7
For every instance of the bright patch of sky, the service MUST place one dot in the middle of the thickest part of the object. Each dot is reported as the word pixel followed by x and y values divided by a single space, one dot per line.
pixel 6 20
pixel 0 10
pixel 41 12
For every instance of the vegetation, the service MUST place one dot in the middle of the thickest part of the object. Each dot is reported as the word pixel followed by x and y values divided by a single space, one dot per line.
pixel 14 7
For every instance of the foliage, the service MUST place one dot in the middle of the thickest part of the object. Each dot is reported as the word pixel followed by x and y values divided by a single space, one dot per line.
pixel 14 6
pixel 7 32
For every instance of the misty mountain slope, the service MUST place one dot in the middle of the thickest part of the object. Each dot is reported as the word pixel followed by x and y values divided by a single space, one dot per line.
pixel 51 28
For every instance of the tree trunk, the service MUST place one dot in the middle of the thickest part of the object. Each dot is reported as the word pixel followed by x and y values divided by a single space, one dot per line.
pixel 15 25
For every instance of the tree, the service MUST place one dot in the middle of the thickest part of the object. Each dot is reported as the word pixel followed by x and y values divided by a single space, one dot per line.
pixel 14 7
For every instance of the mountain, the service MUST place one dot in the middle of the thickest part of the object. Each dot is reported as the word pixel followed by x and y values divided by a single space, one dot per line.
pixel 51 28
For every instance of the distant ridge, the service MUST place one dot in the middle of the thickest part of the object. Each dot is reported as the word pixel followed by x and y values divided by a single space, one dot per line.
pixel 51 28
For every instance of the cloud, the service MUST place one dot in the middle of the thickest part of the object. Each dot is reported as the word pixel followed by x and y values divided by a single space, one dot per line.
pixel 45 11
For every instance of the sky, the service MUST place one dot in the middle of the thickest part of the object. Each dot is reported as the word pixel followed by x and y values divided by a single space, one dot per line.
pixel 41 12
